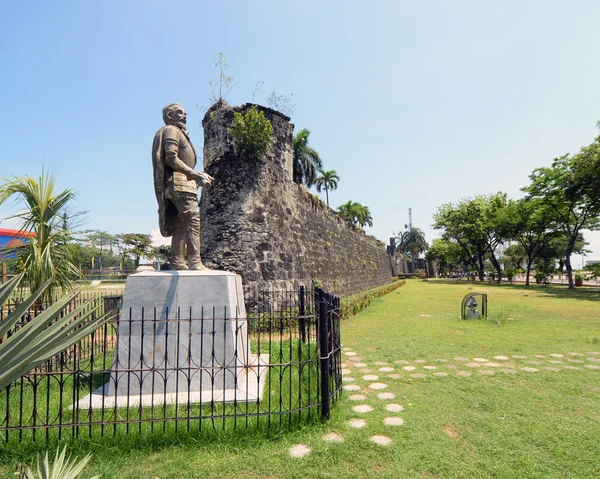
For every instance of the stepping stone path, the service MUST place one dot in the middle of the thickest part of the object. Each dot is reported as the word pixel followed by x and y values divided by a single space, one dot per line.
pixel 430 368
pixel 332 437
pixel 300 450
pixel 355 359
pixel 555 361
pixel 474 365
pixel 352 387
pixel 362 408
pixel 529 370
pixel 360 365
pixel 420 361
pixel 575 354
pixel 381 440
pixel 358 397
pixel 348 379
pixel 386 396
pixel 481 360
pixel 370 377
pixel 394 408
pixel 463 373
pixel 377 386
pixel 516 356
pixel 393 421
pixel 345 371
pixel 461 359
pixel 357 423
pixel 386 370
pixel 501 358
pixel 409 368
pixel 493 365
pixel 557 355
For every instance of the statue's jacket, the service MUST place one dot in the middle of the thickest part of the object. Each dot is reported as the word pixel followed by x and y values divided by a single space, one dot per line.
pixel 167 182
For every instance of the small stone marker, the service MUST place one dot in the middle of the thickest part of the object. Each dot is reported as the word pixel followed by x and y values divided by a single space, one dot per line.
pixel 381 440
pixel 394 408
pixel 300 450
pixel 393 421
pixel 357 423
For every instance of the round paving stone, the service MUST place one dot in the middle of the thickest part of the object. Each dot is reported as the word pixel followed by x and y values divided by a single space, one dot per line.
pixel 409 368
pixel 463 373
pixel 401 361
pixel 360 365
pixel 575 354
pixel 555 361
pixel 300 450
pixel 381 440
pixel 394 376
pixel 355 359
pixel 348 379
pixel 572 368
pixel 377 386
pixel 358 397
pixel 593 360
pixel 417 376
pixel 517 356
pixel 362 408
pixel 529 370
pixel 346 349
pixel 357 423
pixel 535 363
pixel 370 377
pixel 509 371
pixel 461 359
pixel 367 370
pixel 493 365
pixel 473 365
pixel 593 353
pixel 481 360
pixel 555 370
pixel 352 387
pixel 393 421
pixel 420 361
pixel 440 374
pixel 451 366
pixel 345 371
pixel 430 368
pixel 344 365
pixel 386 396
pixel 555 355
pixel 486 372
pixel 350 353
pixel 501 358
pixel 591 366
pixel 332 437
pixel 394 408
pixel 380 363
pixel 386 370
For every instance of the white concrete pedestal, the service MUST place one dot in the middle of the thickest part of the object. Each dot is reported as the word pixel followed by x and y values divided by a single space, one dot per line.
pixel 182 337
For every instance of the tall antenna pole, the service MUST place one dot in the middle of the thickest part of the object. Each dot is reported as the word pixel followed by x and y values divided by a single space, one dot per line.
pixel 410 218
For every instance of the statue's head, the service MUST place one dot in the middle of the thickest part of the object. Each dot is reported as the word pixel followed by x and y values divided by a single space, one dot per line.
pixel 174 114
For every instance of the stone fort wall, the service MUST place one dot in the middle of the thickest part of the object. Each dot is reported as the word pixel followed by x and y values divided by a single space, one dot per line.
pixel 257 222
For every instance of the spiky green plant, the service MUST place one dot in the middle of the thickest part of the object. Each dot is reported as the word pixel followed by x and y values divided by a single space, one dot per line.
pixel 47 253
pixel 44 336
pixel 62 468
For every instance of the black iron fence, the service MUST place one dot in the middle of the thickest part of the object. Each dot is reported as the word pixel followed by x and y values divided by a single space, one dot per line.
pixel 158 371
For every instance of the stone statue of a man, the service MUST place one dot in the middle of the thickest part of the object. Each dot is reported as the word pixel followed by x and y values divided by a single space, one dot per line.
pixel 176 185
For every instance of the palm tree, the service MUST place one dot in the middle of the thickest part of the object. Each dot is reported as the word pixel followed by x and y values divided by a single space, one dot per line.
pixel 47 253
pixel 306 161
pixel 358 214
pixel 327 181
pixel 411 242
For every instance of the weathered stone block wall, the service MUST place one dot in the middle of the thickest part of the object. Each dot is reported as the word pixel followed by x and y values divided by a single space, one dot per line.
pixel 260 224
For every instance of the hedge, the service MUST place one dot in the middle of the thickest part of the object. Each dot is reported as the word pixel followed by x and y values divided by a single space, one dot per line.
pixel 354 304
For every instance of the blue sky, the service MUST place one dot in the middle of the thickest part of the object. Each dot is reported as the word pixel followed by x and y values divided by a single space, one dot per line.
pixel 414 104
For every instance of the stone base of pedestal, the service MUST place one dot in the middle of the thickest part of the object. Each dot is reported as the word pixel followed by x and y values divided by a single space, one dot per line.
pixel 182 337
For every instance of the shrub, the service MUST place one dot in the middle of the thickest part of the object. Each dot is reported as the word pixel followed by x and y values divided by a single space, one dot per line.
pixel 354 304
pixel 253 134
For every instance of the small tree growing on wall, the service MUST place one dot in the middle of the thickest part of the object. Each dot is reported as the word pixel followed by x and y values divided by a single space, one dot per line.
pixel 253 134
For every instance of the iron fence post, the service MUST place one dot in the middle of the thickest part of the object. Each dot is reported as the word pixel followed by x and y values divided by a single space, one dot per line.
pixel 324 353
pixel 302 313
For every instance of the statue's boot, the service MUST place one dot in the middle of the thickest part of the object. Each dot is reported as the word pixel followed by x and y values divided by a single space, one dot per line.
pixel 193 241
pixel 178 244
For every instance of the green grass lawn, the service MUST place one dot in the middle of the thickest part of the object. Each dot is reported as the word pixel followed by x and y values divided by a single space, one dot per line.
pixel 502 422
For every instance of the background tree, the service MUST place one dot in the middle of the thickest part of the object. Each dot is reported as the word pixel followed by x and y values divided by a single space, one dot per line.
pixel 136 245
pixel 514 256
pixel 327 180
pixel 356 213
pixel 571 189
pixel 529 222
pixel 47 255
pixel 447 254
pixel 306 161
pixel 411 242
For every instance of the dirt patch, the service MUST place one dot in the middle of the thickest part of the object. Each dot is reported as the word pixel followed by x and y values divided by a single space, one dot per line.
pixel 451 432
